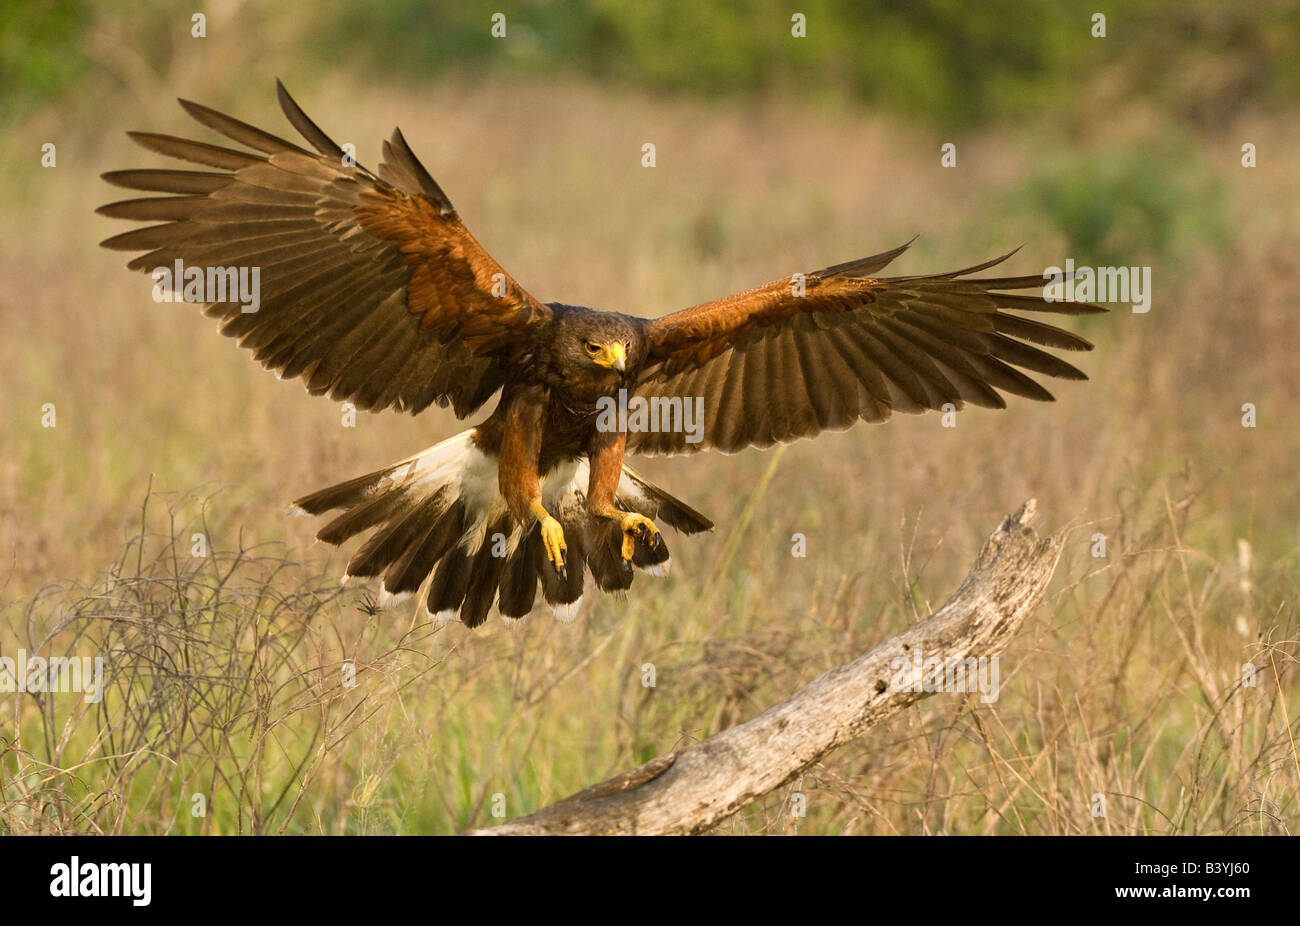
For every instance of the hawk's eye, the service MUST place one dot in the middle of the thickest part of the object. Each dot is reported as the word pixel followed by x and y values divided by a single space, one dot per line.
pixel 592 348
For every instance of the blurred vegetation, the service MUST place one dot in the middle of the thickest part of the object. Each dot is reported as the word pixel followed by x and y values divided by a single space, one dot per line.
pixel 940 61
pixel 1157 200
pixel 40 50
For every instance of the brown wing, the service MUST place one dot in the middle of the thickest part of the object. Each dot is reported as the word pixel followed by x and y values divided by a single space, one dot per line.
pixel 371 288
pixel 771 365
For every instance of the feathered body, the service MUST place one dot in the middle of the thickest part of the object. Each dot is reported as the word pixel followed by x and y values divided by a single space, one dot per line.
pixel 447 510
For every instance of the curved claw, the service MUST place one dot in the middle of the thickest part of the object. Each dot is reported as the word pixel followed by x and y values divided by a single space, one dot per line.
pixel 639 527
pixel 554 545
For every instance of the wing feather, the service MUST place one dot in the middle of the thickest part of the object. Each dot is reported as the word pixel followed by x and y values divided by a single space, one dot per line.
pixel 371 288
pixel 778 363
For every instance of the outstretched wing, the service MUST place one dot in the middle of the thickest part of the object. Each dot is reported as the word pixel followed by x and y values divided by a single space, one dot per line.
pixel 809 354
pixel 371 288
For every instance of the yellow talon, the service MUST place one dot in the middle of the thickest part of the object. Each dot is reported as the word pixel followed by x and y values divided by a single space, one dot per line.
pixel 637 525
pixel 553 542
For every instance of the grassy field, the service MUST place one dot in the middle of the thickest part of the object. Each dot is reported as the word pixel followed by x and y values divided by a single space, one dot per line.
pixel 228 708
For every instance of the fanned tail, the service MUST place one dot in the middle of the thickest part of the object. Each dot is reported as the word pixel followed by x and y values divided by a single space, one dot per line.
pixel 441 513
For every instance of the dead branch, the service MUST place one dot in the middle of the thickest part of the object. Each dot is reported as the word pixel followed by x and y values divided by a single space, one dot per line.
pixel 703 784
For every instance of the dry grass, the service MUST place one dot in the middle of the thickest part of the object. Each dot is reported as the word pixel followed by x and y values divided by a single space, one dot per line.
pixel 227 672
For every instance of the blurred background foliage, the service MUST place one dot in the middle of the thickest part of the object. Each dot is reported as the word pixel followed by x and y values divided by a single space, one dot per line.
pixel 940 65
pixel 939 61
pixel 1156 201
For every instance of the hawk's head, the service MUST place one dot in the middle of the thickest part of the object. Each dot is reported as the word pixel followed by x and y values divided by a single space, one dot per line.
pixel 595 353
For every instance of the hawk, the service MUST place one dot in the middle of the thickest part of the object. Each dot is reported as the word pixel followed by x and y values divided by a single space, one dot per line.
pixel 372 291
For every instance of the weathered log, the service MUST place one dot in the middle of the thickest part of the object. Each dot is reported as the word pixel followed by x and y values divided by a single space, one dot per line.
pixel 703 784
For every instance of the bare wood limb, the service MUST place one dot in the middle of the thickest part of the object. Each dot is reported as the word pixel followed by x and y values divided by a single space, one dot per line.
pixel 698 787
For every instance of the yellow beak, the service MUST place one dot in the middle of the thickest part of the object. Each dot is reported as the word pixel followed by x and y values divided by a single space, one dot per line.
pixel 613 356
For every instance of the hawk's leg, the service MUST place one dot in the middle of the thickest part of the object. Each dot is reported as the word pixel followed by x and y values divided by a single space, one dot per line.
pixel 606 470
pixel 517 473
pixel 552 537
pixel 635 527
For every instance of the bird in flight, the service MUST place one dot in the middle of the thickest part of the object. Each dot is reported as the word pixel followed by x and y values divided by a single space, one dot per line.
pixel 372 291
